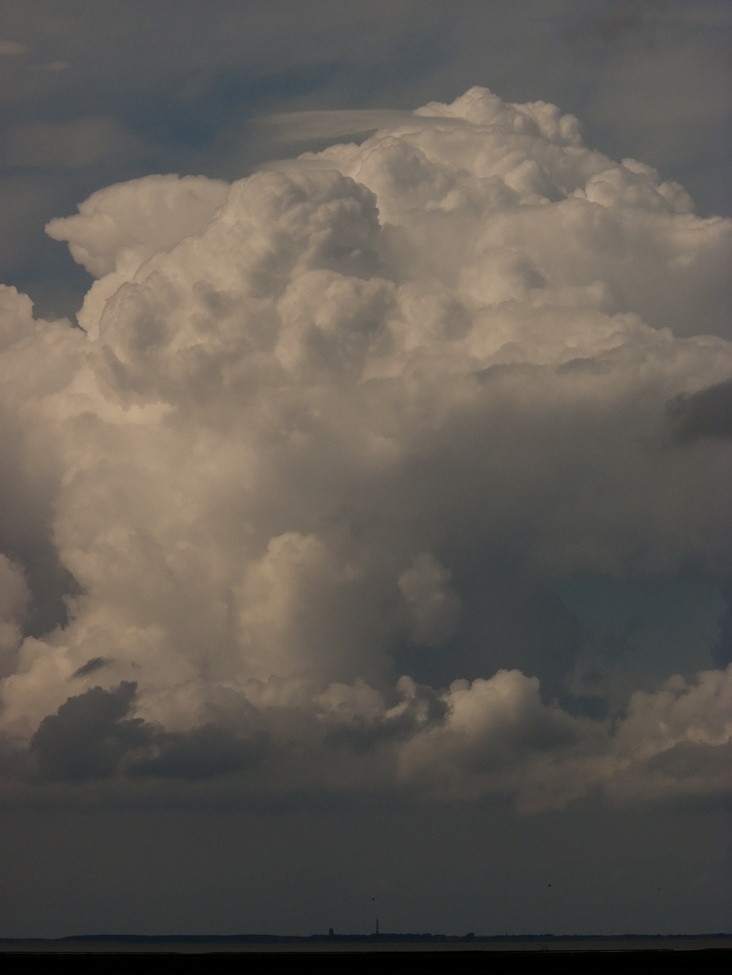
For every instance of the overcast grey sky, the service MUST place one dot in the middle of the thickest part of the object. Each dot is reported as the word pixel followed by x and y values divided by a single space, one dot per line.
pixel 364 551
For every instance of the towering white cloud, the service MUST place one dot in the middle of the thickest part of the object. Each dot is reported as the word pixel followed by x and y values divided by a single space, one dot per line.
pixel 355 417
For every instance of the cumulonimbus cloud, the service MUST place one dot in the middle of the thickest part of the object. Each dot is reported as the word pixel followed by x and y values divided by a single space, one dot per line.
pixel 306 477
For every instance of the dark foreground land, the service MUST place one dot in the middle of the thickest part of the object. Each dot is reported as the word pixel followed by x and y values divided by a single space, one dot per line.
pixel 506 953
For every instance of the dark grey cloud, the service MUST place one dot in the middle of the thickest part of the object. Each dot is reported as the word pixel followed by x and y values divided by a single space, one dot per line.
pixel 92 737
pixel 722 645
pixel 689 760
pixel 618 22
pixel 89 735
pixel 706 413
pixel 201 753
pixel 91 666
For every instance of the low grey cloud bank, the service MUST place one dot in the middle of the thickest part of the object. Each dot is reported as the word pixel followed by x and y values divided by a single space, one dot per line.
pixel 307 483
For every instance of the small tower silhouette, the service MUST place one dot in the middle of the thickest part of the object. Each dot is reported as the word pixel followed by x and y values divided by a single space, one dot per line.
pixel 377 926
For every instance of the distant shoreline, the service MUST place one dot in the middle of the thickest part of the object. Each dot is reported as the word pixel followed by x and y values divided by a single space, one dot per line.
pixel 381 943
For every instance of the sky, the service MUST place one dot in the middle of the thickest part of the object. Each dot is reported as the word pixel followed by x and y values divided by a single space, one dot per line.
pixel 366 382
